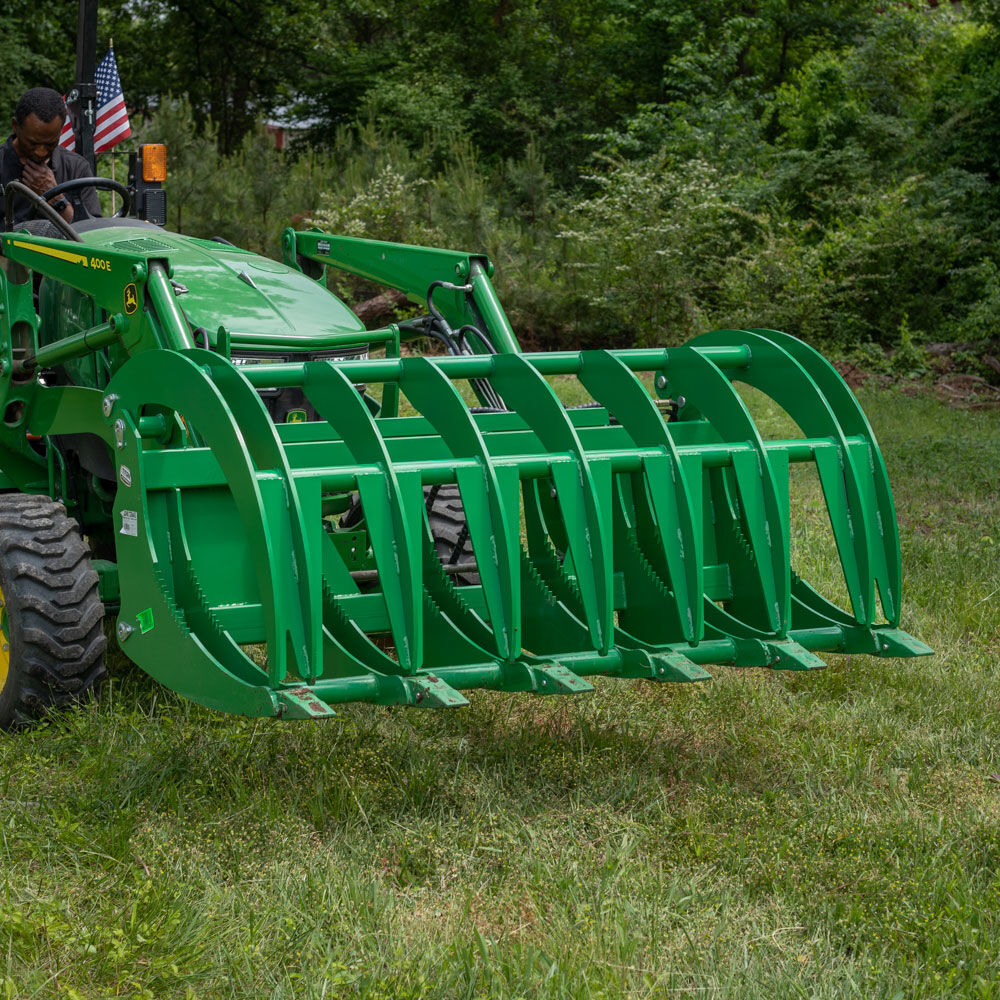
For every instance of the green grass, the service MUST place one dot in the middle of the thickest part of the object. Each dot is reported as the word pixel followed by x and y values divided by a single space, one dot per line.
pixel 834 834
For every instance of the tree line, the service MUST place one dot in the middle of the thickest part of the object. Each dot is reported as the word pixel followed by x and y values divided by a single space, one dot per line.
pixel 638 171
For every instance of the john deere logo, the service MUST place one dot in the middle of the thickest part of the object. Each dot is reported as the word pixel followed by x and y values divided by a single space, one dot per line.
pixel 131 299
pixel 295 417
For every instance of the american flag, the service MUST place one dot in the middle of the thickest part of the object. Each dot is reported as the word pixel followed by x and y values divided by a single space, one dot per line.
pixel 112 118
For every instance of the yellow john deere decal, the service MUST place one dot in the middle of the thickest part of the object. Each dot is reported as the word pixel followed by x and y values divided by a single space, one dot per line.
pixel 130 297
pixel 73 258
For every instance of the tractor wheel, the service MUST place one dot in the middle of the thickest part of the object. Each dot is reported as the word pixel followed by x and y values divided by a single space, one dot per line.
pixel 51 618
pixel 450 532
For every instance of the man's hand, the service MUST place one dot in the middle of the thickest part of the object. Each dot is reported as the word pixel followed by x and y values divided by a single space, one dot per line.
pixel 38 176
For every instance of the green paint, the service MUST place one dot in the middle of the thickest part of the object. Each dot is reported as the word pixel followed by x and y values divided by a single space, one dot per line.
pixel 595 541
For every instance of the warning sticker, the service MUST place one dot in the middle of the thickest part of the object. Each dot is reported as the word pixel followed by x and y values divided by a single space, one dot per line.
pixel 130 523
pixel 125 474
pixel 323 246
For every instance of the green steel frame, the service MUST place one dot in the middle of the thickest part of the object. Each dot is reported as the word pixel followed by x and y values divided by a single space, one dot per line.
pixel 608 540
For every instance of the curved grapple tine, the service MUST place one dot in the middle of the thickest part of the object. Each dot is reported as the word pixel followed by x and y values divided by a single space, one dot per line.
pixel 664 482
pixel 489 498
pixel 775 372
pixel 583 488
pixel 884 547
pixel 755 499
pixel 182 642
pixel 392 512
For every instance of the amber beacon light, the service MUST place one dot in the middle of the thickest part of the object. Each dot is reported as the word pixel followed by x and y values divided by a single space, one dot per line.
pixel 154 163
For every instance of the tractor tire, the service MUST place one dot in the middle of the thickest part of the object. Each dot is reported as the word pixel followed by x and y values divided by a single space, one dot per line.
pixel 51 617
pixel 450 531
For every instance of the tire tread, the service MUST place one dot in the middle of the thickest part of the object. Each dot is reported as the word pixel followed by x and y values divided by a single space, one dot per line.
pixel 55 618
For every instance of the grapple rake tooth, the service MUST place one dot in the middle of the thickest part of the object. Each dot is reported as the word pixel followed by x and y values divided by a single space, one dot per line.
pixel 554 678
pixel 675 666
pixel 896 642
pixel 430 691
pixel 302 703
pixel 583 503
pixel 700 380
pixel 389 515
pixel 492 522
pixel 776 371
pixel 665 483
pixel 887 562
pixel 789 655
pixel 751 472
pixel 297 603
pixel 549 624
pixel 646 598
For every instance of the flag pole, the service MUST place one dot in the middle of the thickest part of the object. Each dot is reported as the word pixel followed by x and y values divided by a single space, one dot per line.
pixel 111 49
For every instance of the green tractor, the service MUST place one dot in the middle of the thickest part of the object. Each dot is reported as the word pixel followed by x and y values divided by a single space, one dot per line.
pixel 283 511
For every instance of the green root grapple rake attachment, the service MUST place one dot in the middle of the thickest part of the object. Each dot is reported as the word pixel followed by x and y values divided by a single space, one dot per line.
pixel 282 566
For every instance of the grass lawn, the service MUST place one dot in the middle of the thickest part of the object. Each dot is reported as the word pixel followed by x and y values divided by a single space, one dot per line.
pixel 768 834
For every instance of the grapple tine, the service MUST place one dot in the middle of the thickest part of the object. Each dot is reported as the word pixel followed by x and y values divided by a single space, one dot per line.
pixel 213 670
pixel 611 383
pixel 549 624
pixel 697 378
pixel 776 372
pixel 293 533
pixel 860 585
pixel 395 546
pixel 753 475
pixel 885 548
pixel 582 508
pixel 492 526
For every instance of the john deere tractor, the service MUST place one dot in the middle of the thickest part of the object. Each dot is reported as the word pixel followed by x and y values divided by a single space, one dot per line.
pixel 280 510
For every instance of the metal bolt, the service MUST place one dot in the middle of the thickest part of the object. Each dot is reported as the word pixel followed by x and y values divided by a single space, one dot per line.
pixel 885 646
pixel 544 682
pixel 552 493
pixel 681 402
pixel 120 433
pixel 661 381
pixel 662 671
pixel 6 646
pixel 109 403
pixel 124 631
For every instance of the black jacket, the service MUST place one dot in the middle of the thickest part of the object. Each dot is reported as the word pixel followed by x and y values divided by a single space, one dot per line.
pixel 65 165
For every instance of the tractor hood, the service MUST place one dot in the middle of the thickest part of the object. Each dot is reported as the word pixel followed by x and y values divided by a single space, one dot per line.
pixel 221 285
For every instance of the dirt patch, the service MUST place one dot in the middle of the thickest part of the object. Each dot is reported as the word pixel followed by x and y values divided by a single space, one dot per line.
pixel 960 390
pixel 967 392
pixel 856 376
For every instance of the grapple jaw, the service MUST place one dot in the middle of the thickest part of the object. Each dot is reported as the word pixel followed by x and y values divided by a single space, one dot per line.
pixel 606 540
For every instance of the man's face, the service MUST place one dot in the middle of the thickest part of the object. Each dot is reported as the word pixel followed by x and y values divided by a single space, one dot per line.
pixel 34 139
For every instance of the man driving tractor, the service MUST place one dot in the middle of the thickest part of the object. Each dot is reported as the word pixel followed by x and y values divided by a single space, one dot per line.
pixel 32 155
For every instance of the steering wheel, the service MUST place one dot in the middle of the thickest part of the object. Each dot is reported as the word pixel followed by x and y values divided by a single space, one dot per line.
pixel 75 183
